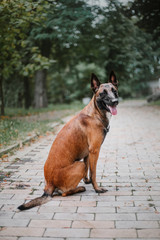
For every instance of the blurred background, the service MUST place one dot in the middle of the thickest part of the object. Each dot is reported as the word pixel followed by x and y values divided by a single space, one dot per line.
pixel 48 49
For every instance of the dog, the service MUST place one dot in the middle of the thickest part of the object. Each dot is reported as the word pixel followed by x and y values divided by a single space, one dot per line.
pixel 81 138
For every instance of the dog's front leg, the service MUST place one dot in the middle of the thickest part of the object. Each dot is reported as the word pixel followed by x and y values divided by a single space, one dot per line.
pixel 86 179
pixel 93 158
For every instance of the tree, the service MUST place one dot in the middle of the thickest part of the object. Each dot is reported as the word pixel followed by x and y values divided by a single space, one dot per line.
pixel 146 15
pixel 19 57
pixel 124 50
pixel 49 48
pixel 58 38
pixel 9 57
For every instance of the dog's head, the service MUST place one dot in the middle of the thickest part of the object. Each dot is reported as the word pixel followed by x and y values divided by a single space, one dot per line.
pixel 106 94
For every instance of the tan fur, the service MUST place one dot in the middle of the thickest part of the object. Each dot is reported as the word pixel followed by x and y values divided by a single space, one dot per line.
pixel 80 138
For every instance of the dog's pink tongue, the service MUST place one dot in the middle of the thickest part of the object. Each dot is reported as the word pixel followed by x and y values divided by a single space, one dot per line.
pixel 113 110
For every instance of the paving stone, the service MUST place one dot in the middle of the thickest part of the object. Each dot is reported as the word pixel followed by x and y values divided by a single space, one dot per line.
pixel 68 198
pixel 13 208
pixel 53 203
pixel 48 209
pixel 50 223
pixel 8 238
pixel 78 203
pixel 93 224
pixel 148 216
pixel 21 231
pixel 33 215
pixel 134 198
pixel 6 215
pixel 66 232
pixel 115 203
pixel 16 202
pixel 96 209
pixel 113 233
pixel 21 197
pixel 75 238
pixel 135 238
pixel 156 197
pixel 74 216
pixel 117 193
pixel 148 233
pixel 116 216
pixel 151 193
pixel 39 238
pixel 98 198
pixel 14 222
pixel 135 209
pixel 147 203
pixel 6 195
pixel 137 224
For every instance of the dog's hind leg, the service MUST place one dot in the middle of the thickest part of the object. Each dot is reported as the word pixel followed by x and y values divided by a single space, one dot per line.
pixel 69 178
pixel 76 190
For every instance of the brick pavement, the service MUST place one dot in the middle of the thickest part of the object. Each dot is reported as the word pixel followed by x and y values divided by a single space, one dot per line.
pixel 128 166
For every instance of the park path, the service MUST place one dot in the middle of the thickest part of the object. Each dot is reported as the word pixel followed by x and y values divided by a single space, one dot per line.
pixel 128 166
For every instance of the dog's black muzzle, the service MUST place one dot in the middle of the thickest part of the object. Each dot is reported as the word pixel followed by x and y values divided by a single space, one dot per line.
pixel 114 102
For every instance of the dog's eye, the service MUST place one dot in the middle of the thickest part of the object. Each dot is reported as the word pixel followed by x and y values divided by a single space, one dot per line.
pixel 115 92
pixel 103 94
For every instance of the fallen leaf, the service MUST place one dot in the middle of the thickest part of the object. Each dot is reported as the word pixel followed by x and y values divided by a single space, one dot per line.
pixel 156 212
pixel 4 156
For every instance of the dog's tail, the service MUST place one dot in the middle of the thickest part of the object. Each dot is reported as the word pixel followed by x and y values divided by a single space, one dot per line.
pixel 35 202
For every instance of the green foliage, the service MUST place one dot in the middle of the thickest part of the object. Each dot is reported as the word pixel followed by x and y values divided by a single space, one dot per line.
pixel 127 50
pixel 71 39
pixel 73 83
pixel 146 16
pixel 16 20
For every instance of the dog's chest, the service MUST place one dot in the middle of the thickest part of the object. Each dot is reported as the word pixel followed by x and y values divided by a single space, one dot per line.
pixel 108 116
pixel 106 130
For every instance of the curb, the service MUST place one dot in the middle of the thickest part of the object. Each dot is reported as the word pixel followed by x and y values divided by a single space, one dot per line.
pixel 17 145
pixel 28 139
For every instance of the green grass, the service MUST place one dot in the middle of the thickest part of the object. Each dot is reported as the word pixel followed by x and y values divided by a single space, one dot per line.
pixel 156 103
pixel 13 130
pixel 13 112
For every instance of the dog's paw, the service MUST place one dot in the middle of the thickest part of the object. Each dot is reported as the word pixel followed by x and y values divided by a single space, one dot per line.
pixel 87 181
pixel 101 190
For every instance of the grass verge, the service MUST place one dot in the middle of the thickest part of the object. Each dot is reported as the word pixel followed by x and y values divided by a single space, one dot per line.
pixel 156 103
pixel 13 130
pixel 17 112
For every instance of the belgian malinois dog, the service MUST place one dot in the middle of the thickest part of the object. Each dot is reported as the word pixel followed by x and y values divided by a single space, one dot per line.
pixel 80 139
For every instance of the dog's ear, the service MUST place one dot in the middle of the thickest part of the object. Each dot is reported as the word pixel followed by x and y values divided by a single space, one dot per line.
pixel 95 83
pixel 113 79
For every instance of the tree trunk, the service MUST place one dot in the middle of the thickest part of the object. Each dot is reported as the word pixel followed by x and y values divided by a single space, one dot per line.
pixel 40 96
pixel 1 97
pixel 27 95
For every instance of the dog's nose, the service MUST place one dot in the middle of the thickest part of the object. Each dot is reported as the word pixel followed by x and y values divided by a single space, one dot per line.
pixel 115 101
